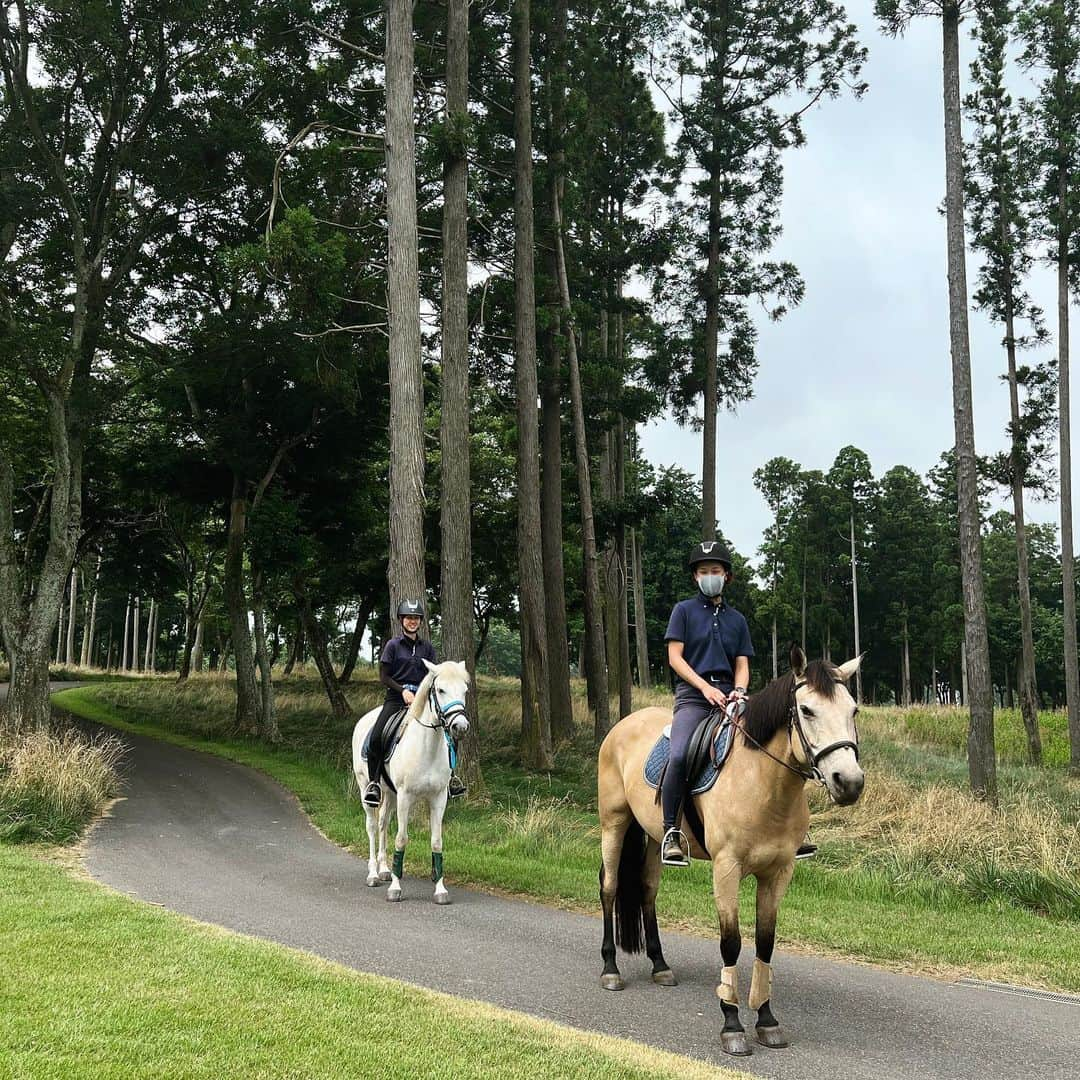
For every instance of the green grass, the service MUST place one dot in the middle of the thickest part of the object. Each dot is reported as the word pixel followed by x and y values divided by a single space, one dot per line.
pixel 917 876
pixel 947 727
pixel 97 985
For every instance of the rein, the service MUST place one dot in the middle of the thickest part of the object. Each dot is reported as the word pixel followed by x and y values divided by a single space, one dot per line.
pixel 446 714
pixel 813 772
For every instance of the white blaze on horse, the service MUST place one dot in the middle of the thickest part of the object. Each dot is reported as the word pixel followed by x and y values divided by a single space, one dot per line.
pixel 419 768
pixel 800 727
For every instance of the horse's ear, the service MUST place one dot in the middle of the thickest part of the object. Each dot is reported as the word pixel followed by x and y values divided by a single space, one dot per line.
pixel 428 664
pixel 797 659
pixel 464 669
pixel 849 668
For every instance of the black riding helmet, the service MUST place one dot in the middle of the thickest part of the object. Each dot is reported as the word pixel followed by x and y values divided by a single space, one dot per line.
pixel 709 551
pixel 410 607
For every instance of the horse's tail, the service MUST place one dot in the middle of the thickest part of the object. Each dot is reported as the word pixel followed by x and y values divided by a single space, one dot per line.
pixel 629 920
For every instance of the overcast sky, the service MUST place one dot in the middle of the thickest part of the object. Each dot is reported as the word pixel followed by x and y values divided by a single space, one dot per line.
pixel 865 359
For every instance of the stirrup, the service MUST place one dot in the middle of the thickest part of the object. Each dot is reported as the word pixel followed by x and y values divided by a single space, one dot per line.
pixel 806 851
pixel 456 788
pixel 676 836
pixel 372 795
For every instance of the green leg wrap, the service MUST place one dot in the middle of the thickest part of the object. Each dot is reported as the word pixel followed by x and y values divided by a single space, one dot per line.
pixel 436 866
pixel 399 864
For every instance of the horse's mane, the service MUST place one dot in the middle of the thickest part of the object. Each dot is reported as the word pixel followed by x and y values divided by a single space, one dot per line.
pixel 767 710
pixel 420 699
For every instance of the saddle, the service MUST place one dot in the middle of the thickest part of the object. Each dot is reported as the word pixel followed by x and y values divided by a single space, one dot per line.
pixel 391 735
pixel 706 754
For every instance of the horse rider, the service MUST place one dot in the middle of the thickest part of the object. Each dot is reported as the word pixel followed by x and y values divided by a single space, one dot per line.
pixel 401 670
pixel 709 651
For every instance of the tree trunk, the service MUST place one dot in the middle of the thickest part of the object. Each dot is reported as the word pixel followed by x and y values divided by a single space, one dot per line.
pixel 455 519
pixel 1068 569
pixel 127 637
pixel 149 635
pixel 551 493
pixel 363 616
pixel 906 688
pixel 247 696
pixel 804 604
pixel 855 605
pixel 609 561
pixel 268 717
pixel 626 685
pixel 1026 685
pixel 197 647
pixel 93 618
pixel 73 607
pixel 594 628
pixel 711 404
pixel 641 634
pixel 89 616
pixel 717 37
pixel 405 571
pixel 297 648
pixel 535 688
pixel 982 765
pixel 136 628
pixel 58 656
pixel 314 633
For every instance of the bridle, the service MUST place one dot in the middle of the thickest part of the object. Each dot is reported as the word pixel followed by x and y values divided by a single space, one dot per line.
pixel 446 714
pixel 813 771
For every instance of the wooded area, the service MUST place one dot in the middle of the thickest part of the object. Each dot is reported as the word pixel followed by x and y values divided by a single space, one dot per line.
pixel 309 307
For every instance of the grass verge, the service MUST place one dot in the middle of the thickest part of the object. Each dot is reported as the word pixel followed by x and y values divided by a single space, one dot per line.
pixel 916 877
pixel 99 985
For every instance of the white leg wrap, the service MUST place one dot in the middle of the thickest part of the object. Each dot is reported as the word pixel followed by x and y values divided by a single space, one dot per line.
pixel 760 984
pixel 728 990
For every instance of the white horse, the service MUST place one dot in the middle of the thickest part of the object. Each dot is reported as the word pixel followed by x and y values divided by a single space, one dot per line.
pixel 419 769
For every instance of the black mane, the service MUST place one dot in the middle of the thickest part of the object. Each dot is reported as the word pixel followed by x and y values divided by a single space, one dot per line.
pixel 767 711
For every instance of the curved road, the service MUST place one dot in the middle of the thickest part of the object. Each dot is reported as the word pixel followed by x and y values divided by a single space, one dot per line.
pixel 227 845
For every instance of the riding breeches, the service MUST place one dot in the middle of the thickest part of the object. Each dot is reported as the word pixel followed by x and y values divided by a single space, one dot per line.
pixel 376 750
pixel 690 709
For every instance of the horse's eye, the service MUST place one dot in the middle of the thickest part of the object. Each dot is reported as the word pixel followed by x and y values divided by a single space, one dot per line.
pixel 808 713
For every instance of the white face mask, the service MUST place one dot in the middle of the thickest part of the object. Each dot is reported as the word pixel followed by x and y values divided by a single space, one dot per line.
pixel 712 585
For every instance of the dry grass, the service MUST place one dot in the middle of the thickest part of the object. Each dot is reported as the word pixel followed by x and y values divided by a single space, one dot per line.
pixel 1027 850
pixel 53 783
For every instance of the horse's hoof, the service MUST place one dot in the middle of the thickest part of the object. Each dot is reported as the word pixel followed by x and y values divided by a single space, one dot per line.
pixel 735 1043
pixel 373 880
pixel 385 875
pixel 664 978
pixel 612 982
pixel 393 895
pixel 772 1037
pixel 442 898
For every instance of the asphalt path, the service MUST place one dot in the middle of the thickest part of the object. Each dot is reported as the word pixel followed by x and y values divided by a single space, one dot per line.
pixel 227 845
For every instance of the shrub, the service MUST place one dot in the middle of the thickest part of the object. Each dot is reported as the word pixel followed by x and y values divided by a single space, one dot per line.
pixel 52 784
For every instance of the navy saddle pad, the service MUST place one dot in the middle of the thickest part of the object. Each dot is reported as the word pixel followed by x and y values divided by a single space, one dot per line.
pixel 391 735
pixel 702 778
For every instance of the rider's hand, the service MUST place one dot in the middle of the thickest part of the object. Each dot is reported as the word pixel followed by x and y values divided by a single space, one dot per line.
pixel 715 696
pixel 408 695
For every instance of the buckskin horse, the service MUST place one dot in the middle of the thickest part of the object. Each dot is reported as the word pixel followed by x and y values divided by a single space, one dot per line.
pixel 418 767
pixel 750 822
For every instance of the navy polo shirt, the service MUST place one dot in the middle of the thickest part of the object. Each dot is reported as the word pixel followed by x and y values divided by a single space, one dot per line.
pixel 406 657
pixel 712 636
